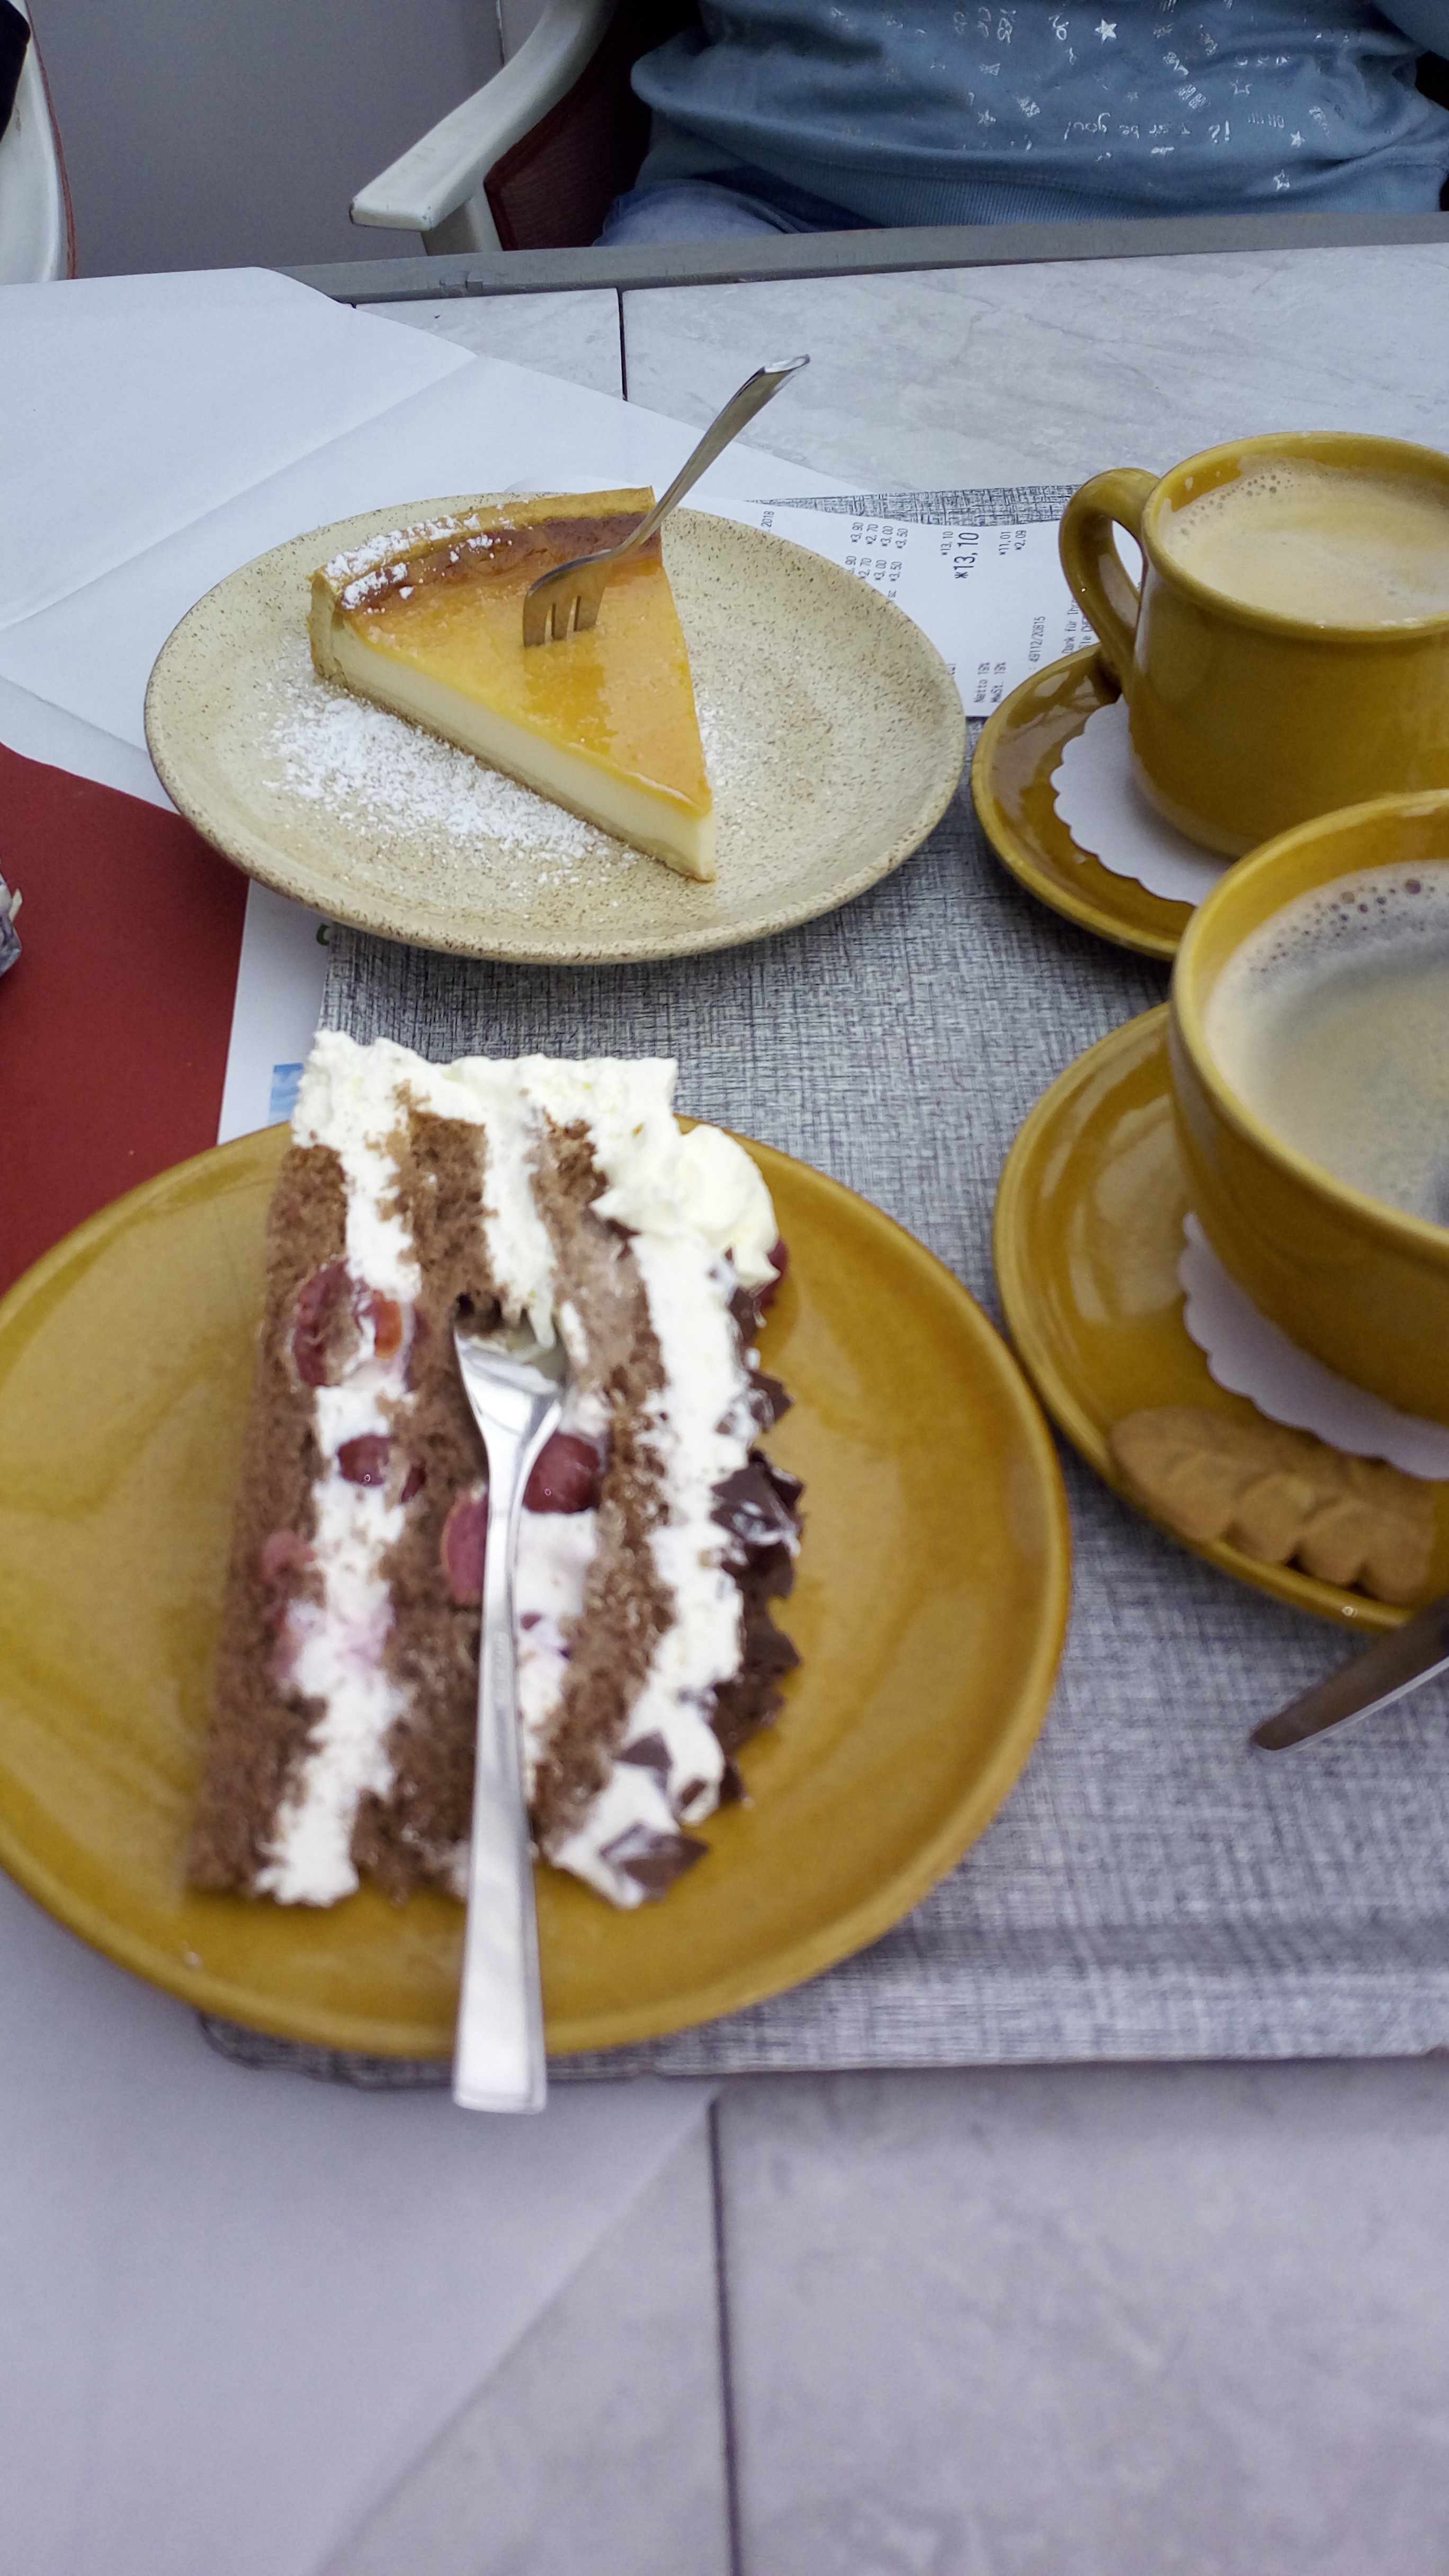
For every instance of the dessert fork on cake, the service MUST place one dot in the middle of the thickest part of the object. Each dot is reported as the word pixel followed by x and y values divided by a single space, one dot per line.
pixel 566 601
pixel 515 1387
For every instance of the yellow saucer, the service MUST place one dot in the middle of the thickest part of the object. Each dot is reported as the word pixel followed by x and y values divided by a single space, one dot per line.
pixel 1016 759
pixel 930 1611
pixel 1088 1234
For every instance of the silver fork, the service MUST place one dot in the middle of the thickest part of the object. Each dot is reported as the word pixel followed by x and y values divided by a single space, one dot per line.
pixel 566 600
pixel 515 1388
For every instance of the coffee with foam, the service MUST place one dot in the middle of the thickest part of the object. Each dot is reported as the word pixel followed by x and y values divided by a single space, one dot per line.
pixel 1332 1023
pixel 1318 542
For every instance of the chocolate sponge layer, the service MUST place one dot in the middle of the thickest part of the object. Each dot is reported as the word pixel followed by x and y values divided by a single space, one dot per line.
pixel 626 1606
pixel 414 1834
pixel 258 1731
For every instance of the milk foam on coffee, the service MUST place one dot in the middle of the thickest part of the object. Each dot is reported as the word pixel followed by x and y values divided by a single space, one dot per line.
pixel 1332 1022
pixel 1319 543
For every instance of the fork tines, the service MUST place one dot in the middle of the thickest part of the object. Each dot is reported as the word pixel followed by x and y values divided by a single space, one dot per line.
pixel 564 601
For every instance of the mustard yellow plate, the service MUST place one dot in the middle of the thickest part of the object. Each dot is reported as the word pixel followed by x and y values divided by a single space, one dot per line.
pixel 1016 760
pixel 929 1611
pixel 1088 1237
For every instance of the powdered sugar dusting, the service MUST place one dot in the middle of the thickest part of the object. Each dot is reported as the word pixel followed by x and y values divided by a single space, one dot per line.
pixel 377 550
pixel 329 750
pixel 407 555
pixel 726 758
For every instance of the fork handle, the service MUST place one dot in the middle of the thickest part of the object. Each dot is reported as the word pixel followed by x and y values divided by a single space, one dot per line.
pixel 738 412
pixel 498 2061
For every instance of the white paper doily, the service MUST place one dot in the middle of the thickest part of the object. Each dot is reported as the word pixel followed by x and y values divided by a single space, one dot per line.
pixel 1108 816
pixel 1251 1357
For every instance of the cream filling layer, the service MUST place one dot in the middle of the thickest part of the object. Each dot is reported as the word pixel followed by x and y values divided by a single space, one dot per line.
pixel 555 1551
pixel 334 1651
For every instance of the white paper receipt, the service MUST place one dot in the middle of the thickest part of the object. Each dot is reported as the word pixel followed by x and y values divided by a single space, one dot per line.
pixel 993 600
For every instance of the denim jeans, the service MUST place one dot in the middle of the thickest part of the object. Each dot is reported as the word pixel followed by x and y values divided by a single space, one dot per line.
pixel 712 209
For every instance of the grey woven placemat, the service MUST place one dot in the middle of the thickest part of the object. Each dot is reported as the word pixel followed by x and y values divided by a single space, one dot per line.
pixel 1150 1889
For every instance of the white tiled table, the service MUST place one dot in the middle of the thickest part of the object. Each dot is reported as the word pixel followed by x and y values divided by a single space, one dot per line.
pixel 1074 2321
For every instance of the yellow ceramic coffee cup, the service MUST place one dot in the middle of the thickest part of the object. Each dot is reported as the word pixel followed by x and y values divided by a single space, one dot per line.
pixel 1362 1286
pixel 1244 720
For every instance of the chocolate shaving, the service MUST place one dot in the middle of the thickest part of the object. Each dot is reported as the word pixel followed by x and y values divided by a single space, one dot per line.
pixel 747 1311
pixel 654 1860
pixel 751 1700
pixel 651 1753
pixel 766 1401
pixel 757 1505
pixel 732 1790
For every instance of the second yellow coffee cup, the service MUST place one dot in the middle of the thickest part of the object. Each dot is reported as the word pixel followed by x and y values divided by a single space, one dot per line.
pixel 1244 718
pixel 1361 1284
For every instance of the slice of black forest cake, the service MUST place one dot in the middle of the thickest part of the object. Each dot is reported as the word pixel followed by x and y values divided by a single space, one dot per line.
pixel 655 1532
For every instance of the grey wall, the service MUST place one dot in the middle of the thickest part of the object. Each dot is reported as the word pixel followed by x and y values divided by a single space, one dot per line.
pixel 220 133
pixel 519 17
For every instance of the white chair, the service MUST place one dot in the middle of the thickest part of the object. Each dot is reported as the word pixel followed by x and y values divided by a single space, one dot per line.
pixel 36 235
pixel 534 158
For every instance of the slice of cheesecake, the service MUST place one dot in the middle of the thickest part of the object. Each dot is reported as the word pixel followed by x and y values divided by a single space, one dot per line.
pixel 428 621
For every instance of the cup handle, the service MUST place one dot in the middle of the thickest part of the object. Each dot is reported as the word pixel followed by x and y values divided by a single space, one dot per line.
pixel 1096 575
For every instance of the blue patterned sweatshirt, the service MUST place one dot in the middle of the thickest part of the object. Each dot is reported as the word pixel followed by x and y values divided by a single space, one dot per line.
pixel 974 111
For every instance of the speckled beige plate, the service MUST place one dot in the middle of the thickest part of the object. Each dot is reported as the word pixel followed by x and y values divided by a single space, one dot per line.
pixel 833 733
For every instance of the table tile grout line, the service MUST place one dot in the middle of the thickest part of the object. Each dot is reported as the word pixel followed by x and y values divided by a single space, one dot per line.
pixel 726 2361
pixel 623 347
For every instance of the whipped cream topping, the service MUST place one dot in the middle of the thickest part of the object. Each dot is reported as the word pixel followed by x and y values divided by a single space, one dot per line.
pixel 701 1222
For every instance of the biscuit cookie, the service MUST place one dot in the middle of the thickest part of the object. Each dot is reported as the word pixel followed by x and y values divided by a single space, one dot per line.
pixel 1280 1495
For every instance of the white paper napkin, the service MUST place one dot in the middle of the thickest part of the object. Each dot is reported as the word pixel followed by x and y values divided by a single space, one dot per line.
pixel 1108 816
pixel 280 977
pixel 129 405
pixel 47 733
pixel 1251 1356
